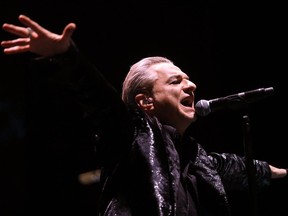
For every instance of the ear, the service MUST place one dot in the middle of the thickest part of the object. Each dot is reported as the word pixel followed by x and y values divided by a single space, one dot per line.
pixel 144 102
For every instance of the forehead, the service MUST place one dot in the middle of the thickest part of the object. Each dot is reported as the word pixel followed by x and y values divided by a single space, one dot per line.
pixel 166 70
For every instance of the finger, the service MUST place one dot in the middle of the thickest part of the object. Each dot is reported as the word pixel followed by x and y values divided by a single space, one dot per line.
pixel 17 49
pixel 32 24
pixel 69 30
pixel 16 30
pixel 16 42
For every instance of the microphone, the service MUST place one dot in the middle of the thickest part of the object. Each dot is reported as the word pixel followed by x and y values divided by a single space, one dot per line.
pixel 204 107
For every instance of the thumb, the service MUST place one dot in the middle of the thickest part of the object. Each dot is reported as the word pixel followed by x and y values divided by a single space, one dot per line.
pixel 69 30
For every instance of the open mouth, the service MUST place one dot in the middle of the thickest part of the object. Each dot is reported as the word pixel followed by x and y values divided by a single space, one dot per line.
pixel 187 102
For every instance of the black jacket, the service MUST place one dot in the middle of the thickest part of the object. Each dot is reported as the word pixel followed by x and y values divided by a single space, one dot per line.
pixel 166 176
pixel 146 169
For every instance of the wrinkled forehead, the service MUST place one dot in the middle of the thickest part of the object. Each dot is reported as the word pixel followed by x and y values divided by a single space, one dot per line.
pixel 166 70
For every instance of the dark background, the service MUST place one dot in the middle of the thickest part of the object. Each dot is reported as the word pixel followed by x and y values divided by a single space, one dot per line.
pixel 224 47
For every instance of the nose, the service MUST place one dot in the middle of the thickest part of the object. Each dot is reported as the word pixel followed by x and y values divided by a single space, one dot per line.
pixel 189 86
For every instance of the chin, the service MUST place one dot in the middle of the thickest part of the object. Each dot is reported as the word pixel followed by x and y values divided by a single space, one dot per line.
pixel 191 117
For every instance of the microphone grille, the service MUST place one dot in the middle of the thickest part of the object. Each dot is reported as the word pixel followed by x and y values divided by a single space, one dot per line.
pixel 202 107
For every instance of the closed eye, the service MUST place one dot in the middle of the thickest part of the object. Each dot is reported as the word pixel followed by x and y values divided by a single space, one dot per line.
pixel 176 82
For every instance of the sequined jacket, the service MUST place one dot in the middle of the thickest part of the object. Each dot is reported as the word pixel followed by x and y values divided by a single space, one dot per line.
pixel 162 175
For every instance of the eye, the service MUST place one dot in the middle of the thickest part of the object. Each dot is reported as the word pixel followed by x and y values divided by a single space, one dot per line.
pixel 175 82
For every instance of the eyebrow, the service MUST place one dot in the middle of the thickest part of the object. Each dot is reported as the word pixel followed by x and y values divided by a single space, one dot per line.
pixel 178 76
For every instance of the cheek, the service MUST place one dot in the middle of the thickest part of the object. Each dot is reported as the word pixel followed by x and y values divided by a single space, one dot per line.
pixel 167 95
pixel 167 106
pixel 166 101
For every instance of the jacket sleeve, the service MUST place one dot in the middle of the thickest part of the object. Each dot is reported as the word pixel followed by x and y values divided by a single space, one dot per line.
pixel 233 171
pixel 85 98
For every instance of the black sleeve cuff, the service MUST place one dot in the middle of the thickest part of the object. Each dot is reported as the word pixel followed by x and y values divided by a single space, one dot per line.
pixel 65 58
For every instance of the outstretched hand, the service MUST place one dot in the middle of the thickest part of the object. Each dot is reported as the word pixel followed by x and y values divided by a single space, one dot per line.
pixel 36 39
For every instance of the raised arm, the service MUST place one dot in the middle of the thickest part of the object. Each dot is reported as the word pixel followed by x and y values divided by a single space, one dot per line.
pixel 36 39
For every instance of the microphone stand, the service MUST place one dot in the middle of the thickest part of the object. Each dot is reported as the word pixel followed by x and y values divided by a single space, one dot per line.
pixel 253 204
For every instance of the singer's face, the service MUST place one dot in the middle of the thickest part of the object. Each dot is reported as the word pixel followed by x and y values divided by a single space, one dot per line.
pixel 173 96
